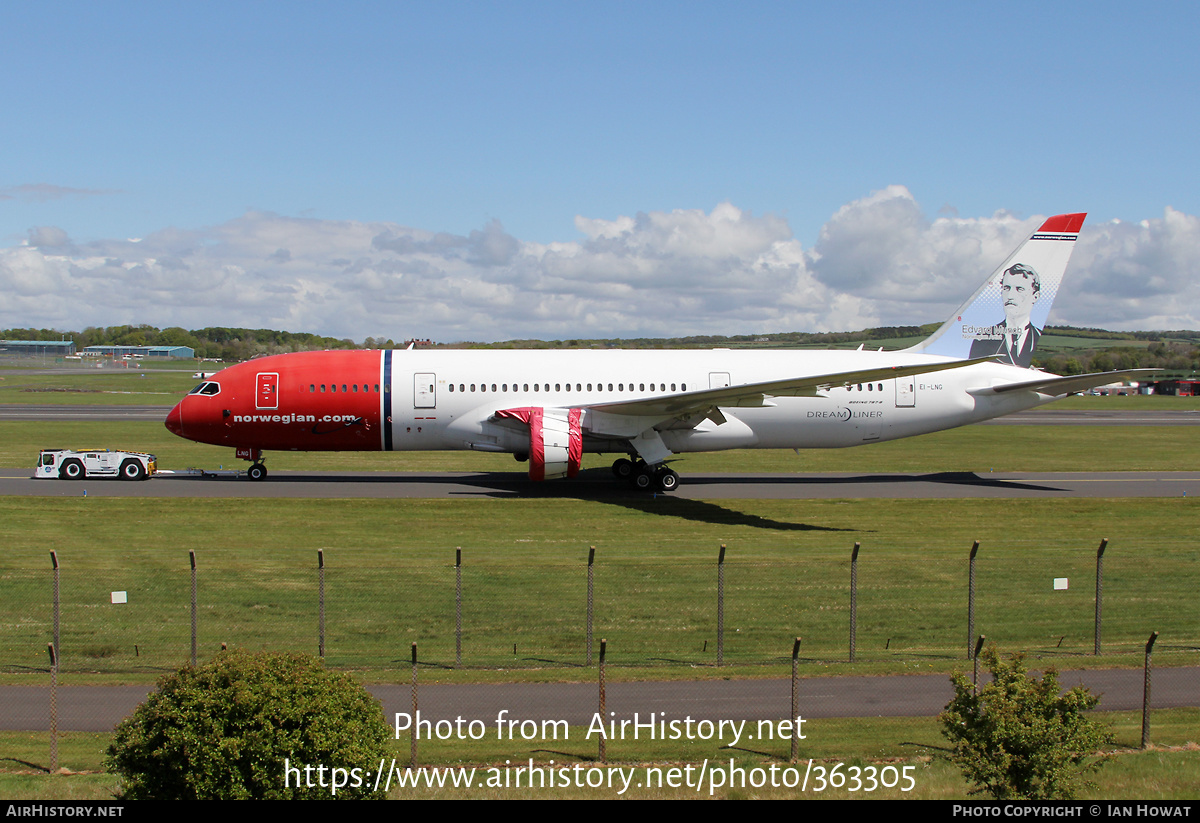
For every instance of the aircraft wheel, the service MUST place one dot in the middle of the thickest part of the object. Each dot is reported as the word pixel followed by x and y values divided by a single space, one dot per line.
pixel 642 481
pixel 668 480
pixel 71 470
pixel 257 472
pixel 132 470
pixel 623 469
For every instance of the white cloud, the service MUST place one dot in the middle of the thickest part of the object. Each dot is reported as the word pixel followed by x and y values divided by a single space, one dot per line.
pixel 879 260
pixel 48 236
pixel 1136 275
pixel 883 249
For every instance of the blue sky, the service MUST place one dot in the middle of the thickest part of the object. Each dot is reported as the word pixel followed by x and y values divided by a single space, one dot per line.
pixel 270 158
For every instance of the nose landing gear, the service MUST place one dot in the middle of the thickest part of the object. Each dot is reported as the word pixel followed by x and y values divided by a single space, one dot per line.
pixel 257 470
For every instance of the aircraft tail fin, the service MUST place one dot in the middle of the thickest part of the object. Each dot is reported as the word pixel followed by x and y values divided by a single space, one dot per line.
pixel 1005 316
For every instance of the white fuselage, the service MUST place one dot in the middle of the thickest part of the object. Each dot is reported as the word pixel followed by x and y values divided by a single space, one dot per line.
pixel 469 386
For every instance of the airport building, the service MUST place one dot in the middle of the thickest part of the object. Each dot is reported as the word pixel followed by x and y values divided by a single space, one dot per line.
pixel 1179 388
pixel 151 352
pixel 36 348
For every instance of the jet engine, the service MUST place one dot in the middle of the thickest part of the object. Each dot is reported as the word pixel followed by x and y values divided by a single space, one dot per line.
pixel 555 440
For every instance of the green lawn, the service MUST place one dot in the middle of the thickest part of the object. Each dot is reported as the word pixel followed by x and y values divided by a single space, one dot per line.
pixel 1163 773
pixel 390 579
pixel 105 387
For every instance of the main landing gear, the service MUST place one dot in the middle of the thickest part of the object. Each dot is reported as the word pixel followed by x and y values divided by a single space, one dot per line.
pixel 646 478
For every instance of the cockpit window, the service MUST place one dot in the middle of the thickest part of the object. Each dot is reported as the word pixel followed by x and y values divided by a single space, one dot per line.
pixel 209 388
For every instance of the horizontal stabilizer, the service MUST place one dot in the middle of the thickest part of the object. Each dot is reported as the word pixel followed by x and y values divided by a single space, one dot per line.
pixel 1055 386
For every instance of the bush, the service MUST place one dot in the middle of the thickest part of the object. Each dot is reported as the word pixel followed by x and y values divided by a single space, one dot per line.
pixel 1018 738
pixel 224 730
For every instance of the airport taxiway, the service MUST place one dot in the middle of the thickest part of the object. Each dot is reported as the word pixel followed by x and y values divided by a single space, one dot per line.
pixel 599 483
pixel 99 708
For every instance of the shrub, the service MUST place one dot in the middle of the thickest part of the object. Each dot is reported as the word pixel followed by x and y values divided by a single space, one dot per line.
pixel 224 730
pixel 1018 737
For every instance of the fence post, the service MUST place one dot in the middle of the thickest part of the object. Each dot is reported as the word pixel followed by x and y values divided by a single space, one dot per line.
pixel 412 743
pixel 721 607
pixel 603 702
pixel 796 698
pixel 53 708
pixel 1146 692
pixel 458 607
pixel 1099 589
pixel 57 602
pixel 321 603
pixel 971 598
pixel 853 600
pixel 192 560
pixel 590 583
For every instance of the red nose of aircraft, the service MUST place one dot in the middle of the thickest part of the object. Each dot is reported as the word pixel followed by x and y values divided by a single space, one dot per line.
pixel 174 421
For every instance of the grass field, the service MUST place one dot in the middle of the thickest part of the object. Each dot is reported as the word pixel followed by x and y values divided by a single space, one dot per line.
pixel 390 580
pixel 106 387
pixel 1165 772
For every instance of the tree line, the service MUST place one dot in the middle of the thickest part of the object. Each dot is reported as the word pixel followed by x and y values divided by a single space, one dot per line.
pixel 217 342
pixel 1171 351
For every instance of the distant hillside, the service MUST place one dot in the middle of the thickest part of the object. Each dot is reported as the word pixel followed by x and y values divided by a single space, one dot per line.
pixel 215 342
pixel 1063 349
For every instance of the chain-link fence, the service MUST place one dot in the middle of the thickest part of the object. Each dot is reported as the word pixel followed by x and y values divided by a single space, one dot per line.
pixel 475 610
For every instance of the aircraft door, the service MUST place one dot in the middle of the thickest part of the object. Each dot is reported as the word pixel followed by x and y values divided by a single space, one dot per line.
pixel 906 392
pixel 266 396
pixel 718 379
pixel 425 391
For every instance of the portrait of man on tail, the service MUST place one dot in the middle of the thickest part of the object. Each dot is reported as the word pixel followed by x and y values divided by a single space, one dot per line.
pixel 1016 337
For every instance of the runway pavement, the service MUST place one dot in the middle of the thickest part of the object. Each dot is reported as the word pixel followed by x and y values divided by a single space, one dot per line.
pixel 48 412
pixel 599 484
pixel 99 708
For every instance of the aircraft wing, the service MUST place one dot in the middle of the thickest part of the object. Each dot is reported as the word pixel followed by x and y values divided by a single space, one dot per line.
pixel 1054 385
pixel 755 394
